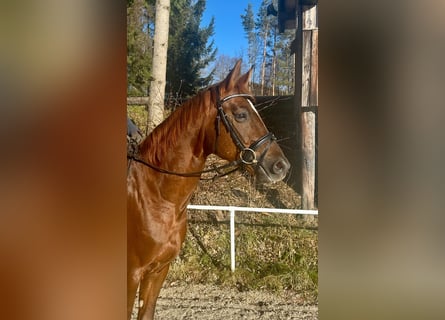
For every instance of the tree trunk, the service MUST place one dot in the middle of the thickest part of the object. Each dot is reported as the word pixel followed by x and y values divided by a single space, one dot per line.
pixel 159 69
pixel 274 71
pixel 263 65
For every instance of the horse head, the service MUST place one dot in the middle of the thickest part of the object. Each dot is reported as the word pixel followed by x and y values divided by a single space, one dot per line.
pixel 240 132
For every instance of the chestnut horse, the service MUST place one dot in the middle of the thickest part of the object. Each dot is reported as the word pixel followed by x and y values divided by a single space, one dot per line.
pixel 166 170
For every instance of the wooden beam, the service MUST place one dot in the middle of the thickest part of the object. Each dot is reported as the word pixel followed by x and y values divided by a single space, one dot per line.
pixel 298 80
pixel 309 101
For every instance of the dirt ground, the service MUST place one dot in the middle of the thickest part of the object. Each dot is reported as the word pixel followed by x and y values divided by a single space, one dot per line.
pixel 202 302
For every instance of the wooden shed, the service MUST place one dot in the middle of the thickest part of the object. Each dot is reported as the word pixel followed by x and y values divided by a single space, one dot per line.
pixel 302 16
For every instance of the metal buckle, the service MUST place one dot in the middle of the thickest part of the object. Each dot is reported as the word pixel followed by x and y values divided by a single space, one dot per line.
pixel 246 154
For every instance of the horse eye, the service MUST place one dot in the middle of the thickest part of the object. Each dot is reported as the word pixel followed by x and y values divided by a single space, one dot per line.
pixel 241 116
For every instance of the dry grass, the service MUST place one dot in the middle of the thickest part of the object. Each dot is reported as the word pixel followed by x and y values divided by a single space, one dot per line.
pixel 274 252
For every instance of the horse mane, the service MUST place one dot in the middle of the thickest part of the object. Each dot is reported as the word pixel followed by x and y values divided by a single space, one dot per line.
pixel 165 137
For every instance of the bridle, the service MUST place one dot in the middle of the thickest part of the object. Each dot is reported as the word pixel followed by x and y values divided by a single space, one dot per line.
pixel 247 155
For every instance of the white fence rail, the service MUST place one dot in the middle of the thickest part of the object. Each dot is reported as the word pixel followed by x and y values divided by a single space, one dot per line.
pixel 232 211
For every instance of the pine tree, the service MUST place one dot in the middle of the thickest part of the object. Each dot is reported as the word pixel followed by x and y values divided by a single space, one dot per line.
pixel 265 27
pixel 285 75
pixel 190 48
pixel 139 46
pixel 248 23
pixel 270 49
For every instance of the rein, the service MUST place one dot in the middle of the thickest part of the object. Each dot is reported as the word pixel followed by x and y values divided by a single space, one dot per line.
pixel 247 155
pixel 195 174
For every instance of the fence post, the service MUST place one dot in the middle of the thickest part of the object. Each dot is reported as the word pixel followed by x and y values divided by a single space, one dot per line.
pixel 232 239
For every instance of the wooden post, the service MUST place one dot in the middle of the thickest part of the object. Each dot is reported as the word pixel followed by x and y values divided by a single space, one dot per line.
pixel 309 102
pixel 297 43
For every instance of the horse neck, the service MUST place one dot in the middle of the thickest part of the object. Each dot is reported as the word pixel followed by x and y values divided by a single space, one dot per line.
pixel 178 144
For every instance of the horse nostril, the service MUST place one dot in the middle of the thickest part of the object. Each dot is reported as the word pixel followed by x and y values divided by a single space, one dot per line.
pixel 279 166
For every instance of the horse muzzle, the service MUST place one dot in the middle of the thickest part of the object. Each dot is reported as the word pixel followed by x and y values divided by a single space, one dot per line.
pixel 272 170
pixel 266 158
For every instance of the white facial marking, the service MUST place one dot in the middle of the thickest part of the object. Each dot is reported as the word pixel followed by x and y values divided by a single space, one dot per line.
pixel 253 107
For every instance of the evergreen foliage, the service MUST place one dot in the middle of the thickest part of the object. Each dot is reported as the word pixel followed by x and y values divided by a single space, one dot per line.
pixel 248 23
pixel 190 48
pixel 140 17
pixel 269 50
pixel 192 52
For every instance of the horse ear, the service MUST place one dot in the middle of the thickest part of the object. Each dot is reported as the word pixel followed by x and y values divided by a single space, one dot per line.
pixel 243 81
pixel 231 79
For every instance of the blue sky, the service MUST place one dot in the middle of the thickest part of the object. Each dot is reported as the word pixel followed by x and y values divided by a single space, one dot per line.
pixel 229 35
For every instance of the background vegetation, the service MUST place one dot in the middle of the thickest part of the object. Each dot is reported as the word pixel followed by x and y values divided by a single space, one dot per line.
pixel 193 60
pixel 190 49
